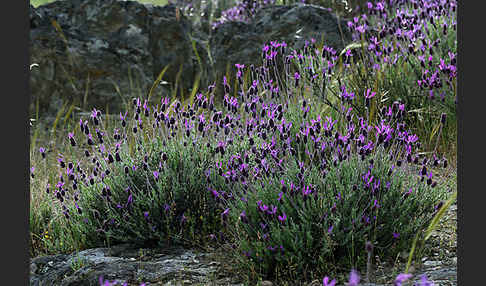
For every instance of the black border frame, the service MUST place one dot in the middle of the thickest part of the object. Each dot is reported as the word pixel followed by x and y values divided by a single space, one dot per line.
pixel 15 122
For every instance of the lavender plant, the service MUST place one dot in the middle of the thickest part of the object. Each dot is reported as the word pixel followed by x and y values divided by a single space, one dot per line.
pixel 408 54
pixel 154 170
pixel 181 172
pixel 322 192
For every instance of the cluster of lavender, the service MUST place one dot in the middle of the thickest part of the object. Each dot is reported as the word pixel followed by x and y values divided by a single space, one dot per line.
pixel 319 183
pixel 354 280
pixel 266 157
pixel 420 33
pixel 243 11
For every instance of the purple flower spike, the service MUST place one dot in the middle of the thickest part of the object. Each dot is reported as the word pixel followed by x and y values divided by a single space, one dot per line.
pixel 224 213
pixel 263 208
pixel 43 152
pixel 272 210
pixel 71 139
pixel 326 282
pixel 402 278
pixel 243 217
pixel 129 200
pixel 353 278
pixel 368 95
pixel 296 77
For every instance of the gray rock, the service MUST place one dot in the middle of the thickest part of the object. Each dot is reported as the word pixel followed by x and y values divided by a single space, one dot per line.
pixel 125 263
pixel 170 43
pixel 432 263
pixel 106 51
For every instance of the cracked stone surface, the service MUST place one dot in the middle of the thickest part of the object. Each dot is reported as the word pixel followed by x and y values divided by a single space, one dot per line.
pixel 126 263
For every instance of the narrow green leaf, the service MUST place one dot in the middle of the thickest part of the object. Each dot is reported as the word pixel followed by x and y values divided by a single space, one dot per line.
pixel 195 88
pixel 58 117
pixel 178 76
pixel 434 131
pixel 68 113
pixel 157 81
pixel 435 221
pixel 414 244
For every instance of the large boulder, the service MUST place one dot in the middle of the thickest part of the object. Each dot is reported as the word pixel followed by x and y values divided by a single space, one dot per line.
pixel 103 52
pixel 128 264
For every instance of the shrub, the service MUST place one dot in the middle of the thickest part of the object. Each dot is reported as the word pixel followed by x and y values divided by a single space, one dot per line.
pixel 319 180
pixel 292 230
pixel 148 182
pixel 173 172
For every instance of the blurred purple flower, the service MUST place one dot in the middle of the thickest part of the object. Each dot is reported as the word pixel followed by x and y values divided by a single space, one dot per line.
pixel 224 213
pixel 369 94
pixel 424 281
pixel 402 277
pixel 326 282
pixel 43 152
pixel 353 278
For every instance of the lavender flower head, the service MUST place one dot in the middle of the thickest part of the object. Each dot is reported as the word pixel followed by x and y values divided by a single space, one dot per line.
pixel 353 278
pixel 402 278
pixel 326 282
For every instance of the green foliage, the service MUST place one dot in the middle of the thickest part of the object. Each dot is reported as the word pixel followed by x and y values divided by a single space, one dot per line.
pixel 341 200
pixel 174 206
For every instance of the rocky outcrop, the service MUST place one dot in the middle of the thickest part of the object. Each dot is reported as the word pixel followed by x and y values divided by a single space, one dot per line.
pixel 126 263
pixel 173 266
pixel 102 53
